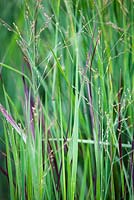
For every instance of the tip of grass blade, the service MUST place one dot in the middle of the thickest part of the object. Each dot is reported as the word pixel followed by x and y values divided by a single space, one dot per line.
pixel 12 122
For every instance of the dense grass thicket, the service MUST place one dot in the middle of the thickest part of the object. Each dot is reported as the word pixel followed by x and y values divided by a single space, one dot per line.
pixel 67 99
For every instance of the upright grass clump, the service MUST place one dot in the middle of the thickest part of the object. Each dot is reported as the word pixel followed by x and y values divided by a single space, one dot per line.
pixel 68 127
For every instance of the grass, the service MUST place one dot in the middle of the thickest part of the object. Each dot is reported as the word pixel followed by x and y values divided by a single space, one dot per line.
pixel 66 100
